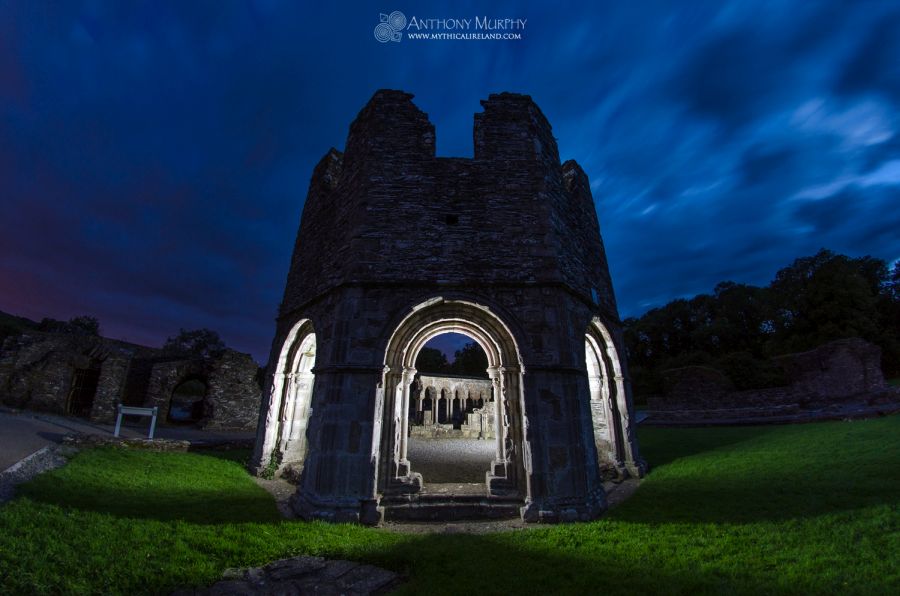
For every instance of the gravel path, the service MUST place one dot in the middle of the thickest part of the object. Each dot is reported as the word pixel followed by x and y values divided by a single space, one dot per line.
pixel 451 460
pixel 46 458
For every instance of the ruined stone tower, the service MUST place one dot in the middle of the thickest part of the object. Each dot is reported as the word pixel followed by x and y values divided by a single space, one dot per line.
pixel 397 246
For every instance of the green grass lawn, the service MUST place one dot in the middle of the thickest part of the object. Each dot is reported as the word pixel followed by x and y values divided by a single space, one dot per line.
pixel 782 509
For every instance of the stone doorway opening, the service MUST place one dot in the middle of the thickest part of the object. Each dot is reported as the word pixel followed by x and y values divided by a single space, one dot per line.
pixel 610 412
pixel 187 404
pixel 452 436
pixel 285 441
pixel 84 388
pixel 405 493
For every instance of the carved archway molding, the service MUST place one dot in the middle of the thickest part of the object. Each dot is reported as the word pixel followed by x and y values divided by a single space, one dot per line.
pixel 507 477
pixel 281 425
pixel 610 384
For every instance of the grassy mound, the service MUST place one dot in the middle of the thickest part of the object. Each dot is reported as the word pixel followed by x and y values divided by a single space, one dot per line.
pixel 809 508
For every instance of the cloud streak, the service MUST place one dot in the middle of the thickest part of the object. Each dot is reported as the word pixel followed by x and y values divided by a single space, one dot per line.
pixel 154 157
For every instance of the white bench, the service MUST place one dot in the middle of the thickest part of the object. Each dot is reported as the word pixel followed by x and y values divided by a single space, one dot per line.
pixel 136 412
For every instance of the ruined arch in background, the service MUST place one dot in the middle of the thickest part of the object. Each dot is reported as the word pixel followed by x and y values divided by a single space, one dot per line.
pixel 610 403
pixel 427 320
pixel 187 399
pixel 281 437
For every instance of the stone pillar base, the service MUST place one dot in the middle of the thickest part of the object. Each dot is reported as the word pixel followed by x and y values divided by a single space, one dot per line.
pixel 637 468
pixel 362 511
pixel 411 482
pixel 553 513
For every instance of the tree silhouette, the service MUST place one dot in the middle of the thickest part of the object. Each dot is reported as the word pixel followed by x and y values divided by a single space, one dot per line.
pixel 470 361
pixel 432 361
pixel 200 343
pixel 736 329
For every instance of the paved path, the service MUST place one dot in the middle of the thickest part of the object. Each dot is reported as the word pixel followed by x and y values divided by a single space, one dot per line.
pixel 451 460
pixel 23 433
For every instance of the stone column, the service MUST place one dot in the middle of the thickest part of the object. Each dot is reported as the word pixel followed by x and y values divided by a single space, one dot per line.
pixel 409 374
pixel 599 388
pixel 392 380
pixel 635 465
pixel 287 410
pixel 269 431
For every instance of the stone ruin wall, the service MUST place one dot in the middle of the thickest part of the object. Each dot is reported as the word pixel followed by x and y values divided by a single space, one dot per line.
pixel 834 376
pixel 37 370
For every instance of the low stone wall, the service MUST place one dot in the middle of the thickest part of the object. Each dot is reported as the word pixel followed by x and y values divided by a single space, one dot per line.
pixel 840 376
pixel 836 370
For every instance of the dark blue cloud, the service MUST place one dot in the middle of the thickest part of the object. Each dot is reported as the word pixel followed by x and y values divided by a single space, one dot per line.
pixel 154 156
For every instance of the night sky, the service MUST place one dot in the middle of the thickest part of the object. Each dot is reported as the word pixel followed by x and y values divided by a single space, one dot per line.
pixel 154 156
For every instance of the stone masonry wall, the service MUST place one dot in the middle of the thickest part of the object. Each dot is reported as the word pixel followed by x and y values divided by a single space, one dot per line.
pixel 234 392
pixel 388 207
pixel 37 370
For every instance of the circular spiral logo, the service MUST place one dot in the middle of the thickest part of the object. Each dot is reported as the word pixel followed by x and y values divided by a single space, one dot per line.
pixel 383 32
pixel 397 20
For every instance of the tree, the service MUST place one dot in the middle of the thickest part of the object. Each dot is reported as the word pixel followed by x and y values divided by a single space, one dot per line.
pixel 814 300
pixel 432 361
pixel 470 361
pixel 82 325
pixel 826 297
pixel 201 343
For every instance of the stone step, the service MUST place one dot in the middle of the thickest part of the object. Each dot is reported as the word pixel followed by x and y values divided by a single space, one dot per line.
pixel 436 503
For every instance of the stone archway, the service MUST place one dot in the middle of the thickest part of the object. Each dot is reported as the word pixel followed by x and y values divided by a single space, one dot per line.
pixel 611 407
pixel 506 477
pixel 187 400
pixel 281 439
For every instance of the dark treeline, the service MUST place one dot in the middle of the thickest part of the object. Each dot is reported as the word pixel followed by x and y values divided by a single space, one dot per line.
pixel 470 361
pixel 739 327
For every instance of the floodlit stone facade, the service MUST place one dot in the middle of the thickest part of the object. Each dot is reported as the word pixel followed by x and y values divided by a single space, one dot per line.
pixel 397 246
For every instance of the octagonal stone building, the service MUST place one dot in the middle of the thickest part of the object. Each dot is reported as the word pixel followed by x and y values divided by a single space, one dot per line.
pixel 397 246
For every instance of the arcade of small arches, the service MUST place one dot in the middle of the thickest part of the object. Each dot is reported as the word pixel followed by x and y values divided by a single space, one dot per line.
pixel 451 406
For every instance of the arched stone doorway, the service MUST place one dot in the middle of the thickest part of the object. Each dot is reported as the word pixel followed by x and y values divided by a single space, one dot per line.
pixel 506 478
pixel 186 404
pixel 611 409
pixel 281 440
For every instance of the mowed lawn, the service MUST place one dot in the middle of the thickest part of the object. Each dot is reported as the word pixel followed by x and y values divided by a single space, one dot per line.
pixel 780 509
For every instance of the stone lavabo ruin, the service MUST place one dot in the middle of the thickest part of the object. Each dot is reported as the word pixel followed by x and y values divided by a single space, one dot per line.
pixel 518 266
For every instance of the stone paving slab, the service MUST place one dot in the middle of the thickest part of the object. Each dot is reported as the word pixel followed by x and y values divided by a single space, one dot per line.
pixel 300 576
